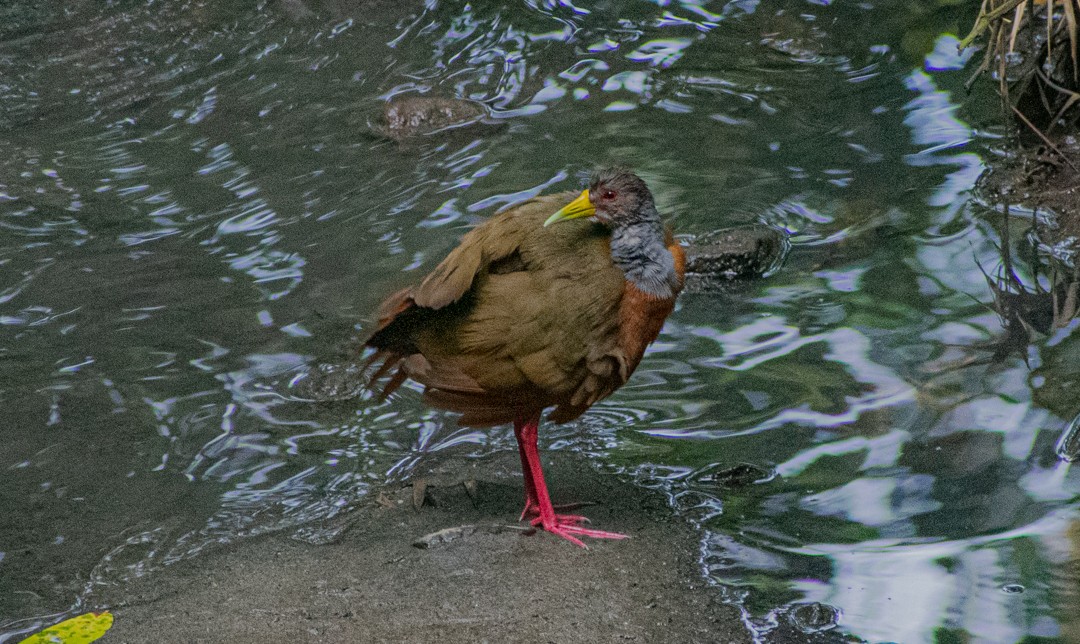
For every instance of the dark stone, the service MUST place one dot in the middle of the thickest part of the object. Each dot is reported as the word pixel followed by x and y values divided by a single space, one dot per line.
pixel 330 382
pixel 741 475
pixel 411 116
pixel 814 617
pixel 742 252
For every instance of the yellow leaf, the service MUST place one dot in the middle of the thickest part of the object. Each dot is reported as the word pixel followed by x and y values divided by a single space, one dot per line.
pixel 78 630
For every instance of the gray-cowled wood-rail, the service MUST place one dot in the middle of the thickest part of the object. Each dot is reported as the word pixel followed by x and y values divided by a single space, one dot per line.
pixel 550 303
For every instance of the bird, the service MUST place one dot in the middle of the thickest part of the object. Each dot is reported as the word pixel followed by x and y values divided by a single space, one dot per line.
pixel 549 304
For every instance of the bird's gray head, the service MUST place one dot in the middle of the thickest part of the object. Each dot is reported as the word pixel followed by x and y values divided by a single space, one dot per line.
pixel 616 197
pixel 621 198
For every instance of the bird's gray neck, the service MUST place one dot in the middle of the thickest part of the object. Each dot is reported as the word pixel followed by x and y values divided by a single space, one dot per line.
pixel 639 250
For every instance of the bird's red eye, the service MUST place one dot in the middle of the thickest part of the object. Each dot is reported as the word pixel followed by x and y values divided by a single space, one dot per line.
pixel 607 195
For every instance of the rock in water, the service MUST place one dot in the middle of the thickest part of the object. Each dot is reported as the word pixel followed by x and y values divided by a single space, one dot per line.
pixel 742 475
pixel 743 252
pixel 411 116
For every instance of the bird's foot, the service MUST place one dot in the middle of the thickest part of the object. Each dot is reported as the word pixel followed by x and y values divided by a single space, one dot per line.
pixel 532 509
pixel 568 526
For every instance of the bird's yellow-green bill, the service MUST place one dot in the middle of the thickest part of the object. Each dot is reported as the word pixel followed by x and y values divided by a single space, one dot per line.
pixel 579 207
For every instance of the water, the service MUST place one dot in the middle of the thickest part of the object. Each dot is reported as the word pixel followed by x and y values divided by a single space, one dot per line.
pixel 193 208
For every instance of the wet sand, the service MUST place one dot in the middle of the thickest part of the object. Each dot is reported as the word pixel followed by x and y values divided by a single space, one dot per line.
pixel 491 584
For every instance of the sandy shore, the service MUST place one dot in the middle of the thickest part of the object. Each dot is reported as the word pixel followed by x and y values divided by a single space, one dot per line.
pixel 489 584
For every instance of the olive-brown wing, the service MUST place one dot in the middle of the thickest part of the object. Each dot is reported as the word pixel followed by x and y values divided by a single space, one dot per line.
pixel 496 240
pixel 531 337
pixel 493 244
pixel 517 318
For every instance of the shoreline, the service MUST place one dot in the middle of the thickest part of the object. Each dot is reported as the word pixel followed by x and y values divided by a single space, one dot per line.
pixel 488 583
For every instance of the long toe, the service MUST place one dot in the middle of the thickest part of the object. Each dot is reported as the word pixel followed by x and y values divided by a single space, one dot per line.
pixel 532 509
pixel 562 532
pixel 563 519
pixel 568 527
pixel 595 534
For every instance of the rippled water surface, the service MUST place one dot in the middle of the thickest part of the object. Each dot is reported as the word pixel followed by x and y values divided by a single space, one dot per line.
pixel 194 206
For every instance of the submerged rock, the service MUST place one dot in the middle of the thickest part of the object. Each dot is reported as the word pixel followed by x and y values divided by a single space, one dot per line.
pixel 742 475
pixel 814 617
pixel 739 253
pixel 406 117
pixel 330 382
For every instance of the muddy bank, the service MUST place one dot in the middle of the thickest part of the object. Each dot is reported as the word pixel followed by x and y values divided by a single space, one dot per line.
pixel 490 584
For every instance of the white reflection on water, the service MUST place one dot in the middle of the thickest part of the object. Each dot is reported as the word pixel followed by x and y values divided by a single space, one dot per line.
pixel 877 502
pixel 880 451
pixel 933 122
pixel 903 590
pixel 771 338
pixel 1016 420
pixel 945 471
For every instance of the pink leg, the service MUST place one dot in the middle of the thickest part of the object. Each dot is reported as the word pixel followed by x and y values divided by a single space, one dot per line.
pixel 532 506
pixel 537 500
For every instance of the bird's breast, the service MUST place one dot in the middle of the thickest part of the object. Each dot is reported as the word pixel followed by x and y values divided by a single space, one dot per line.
pixel 641 316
